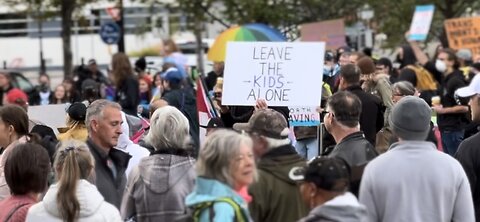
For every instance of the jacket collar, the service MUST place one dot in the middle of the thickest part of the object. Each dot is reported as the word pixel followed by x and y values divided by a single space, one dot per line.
pixel 96 150
pixel 353 88
pixel 410 144
pixel 280 151
pixel 119 157
pixel 353 136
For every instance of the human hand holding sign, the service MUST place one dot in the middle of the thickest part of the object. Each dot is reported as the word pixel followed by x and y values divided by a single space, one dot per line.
pixel 261 104
pixel 407 37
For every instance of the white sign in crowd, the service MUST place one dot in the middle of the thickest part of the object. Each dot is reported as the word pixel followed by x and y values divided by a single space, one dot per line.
pixel 282 73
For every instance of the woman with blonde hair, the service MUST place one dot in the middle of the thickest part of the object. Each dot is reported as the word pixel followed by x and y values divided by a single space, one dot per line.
pixel 225 166
pixel 73 197
pixel 77 130
pixel 126 84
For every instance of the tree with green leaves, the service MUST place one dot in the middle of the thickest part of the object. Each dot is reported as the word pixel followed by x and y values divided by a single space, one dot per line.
pixel 394 17
pixel 63 8
pixel 285 15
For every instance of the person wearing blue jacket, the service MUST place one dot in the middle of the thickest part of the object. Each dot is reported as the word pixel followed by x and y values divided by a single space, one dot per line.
pixel 225 166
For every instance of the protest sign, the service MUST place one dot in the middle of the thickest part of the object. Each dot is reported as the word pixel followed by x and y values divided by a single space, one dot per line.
pixel 464 33
pixel 53 116
pixel 332 32
pixel 282 73
pixel 304 116
pixel 422 19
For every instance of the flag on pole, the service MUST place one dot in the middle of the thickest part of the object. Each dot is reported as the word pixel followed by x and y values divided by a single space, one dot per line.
pixel 205 108
pixel 204 104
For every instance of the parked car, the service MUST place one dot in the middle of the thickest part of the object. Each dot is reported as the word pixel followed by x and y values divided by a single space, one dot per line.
pixel 18 80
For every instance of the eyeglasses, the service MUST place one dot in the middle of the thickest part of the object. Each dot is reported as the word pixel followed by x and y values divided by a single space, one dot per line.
pixel 324 113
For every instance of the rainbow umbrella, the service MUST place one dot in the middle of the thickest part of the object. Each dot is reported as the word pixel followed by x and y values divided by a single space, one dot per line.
pixel 246 33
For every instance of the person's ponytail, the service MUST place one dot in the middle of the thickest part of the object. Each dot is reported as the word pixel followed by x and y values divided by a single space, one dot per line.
pixel 69 174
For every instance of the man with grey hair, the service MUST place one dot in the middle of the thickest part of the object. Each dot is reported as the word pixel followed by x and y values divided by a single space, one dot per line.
pixel 104 125
pixel 342 121
pixel 413 181
pixel 274 192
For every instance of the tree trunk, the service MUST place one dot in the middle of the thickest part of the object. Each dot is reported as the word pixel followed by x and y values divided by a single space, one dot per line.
pixel 66 12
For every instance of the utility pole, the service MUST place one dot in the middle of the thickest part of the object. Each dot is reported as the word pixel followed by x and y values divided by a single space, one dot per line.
pixel 197 31
pixel 43 69
pixel 120 22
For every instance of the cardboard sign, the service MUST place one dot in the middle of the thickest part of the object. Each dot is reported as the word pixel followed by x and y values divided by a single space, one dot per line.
pixel 53 116
pixel 422 19
pixel 332 32
pixel 464 33
pixel 304 116
pixel 282 73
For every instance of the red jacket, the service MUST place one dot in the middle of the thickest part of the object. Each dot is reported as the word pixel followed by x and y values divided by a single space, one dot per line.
pixel 15 208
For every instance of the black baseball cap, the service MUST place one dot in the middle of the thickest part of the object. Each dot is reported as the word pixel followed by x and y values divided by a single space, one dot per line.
pixel 214 123
pixel 325 173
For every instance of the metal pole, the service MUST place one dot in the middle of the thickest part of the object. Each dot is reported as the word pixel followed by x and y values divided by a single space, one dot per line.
pixel 77 51
pixel 120 22
pixel 92 33
pixel 40 39
pixel 320 139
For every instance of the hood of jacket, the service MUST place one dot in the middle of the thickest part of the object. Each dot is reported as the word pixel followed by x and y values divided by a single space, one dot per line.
pixel 279 161
pixel 345 208
pixel 381 76
pixel 88 197
pixel 124 138
pixel 160 172
pixel 210 190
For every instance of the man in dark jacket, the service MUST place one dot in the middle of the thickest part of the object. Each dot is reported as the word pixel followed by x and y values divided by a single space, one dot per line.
pixel 452 118
pixel 468 153
pixel 182 99
pixel 371 117
pixel 341 120
pixel 103 121
pixel 43 93
pixel 96 74
pixel 275 196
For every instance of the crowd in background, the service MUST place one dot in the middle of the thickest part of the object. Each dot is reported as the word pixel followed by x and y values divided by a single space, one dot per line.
pixel 395 146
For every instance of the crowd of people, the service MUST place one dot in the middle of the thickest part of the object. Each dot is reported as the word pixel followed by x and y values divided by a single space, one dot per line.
pixel 400 145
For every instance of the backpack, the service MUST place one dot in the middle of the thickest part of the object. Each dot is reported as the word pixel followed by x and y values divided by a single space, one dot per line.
pixel 425 80
pixel 193 214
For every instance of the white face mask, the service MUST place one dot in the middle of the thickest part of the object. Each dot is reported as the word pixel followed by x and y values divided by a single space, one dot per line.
pixel 440 66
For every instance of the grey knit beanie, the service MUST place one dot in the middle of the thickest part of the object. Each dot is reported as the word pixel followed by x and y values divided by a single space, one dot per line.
pixel 410 118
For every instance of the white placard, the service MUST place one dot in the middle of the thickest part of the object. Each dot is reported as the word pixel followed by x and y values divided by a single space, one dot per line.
pixel 282 73
pixel 422 19
pixel 53 116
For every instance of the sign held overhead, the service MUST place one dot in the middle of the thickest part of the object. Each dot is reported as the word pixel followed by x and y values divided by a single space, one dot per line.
pixel 282 73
